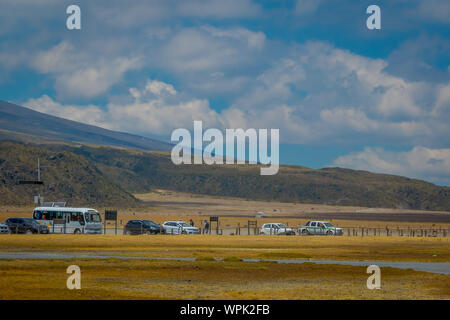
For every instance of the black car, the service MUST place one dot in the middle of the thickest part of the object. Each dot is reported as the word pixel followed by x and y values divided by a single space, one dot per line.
pixel 26 225
pixel 141 227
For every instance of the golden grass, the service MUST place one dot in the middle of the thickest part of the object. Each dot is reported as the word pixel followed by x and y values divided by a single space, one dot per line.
pixel 284 247
pixel 232 279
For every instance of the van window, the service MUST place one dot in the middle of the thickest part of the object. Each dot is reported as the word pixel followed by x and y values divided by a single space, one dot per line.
pixel 76 217
pixel 313 224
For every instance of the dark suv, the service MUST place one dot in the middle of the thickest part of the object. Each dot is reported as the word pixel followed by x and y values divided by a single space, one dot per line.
pixel 141 227
pixel 26 225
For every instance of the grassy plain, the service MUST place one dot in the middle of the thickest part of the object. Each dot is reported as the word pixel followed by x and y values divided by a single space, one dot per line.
pixel 232 278
pixel 137 279
pixel 283 247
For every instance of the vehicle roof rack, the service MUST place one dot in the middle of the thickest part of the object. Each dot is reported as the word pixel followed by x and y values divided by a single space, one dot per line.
pixel 54 204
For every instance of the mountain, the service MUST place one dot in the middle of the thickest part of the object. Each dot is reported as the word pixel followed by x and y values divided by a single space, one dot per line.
pixel 23 124
pixel 106 175
pixel 88 165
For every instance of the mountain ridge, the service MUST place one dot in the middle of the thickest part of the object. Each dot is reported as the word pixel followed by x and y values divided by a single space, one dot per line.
pixel 110 176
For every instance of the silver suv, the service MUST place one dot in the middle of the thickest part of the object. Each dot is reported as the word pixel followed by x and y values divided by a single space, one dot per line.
pixel 179 227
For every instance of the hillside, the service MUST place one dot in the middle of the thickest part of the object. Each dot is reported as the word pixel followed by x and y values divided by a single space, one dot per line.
pixel 67 176
pixel 112 174
pixel 26 125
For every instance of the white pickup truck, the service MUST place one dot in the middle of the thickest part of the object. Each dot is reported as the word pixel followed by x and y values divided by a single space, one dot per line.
pixel 319 228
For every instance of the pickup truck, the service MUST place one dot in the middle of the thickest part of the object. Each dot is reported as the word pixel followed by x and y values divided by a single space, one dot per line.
pixel 319 228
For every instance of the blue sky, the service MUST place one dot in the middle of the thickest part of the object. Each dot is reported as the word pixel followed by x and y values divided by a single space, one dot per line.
pixel 341 95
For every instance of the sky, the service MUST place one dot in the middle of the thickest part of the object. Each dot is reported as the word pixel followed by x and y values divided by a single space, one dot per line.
pixel 341 94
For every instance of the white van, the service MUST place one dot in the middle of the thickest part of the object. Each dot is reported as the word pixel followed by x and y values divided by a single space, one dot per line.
pixel 69 220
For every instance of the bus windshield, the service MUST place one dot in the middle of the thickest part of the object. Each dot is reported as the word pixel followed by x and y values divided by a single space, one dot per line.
pixel 92 216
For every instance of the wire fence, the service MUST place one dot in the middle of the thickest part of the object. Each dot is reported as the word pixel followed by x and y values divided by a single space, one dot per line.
pixel 252 228
pixel 354 231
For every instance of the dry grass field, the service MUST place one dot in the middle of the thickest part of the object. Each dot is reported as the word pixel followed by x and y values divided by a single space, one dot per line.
pixel 136 279
pixel 211 246
pixel 115 276
pixel 231 278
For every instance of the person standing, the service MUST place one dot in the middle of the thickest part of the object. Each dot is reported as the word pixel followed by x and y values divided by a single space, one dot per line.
pixel 191 222
pixel 206 228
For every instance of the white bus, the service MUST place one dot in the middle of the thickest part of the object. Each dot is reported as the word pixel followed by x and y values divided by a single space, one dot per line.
pixel 69 220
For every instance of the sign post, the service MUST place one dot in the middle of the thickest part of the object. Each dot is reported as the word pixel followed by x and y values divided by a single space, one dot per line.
pixel 110 215
pixel 216 220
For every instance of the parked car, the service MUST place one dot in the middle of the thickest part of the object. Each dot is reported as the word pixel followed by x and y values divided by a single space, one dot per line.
pixel 179 227
pixel 4 228
pixel 141 227
pixel 319 228
pixel 276 228
pixel 26 225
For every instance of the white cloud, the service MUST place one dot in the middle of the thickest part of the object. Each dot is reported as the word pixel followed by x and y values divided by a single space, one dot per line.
pixel 78 74
pixel 351 118
pixel 149 111
pixel 435 10
pixel 443 101
pixel 219 8
pixel 89 114
pixel 253 39
pixel 159 87
pixel 314 93
pixel 335 93
pixel 303 7
pixel 420 162
pixel 209 49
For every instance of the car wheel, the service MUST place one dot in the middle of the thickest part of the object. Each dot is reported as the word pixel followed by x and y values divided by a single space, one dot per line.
pixel 305 232
pixel 77 231
pixel 29 231
pixel 183 232
pixel 329 233
pixel 127 232
pixel 147 233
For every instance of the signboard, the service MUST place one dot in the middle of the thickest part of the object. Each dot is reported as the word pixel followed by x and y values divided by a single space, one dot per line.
pixel 110 214
pixel 211 219
pixel 30 182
